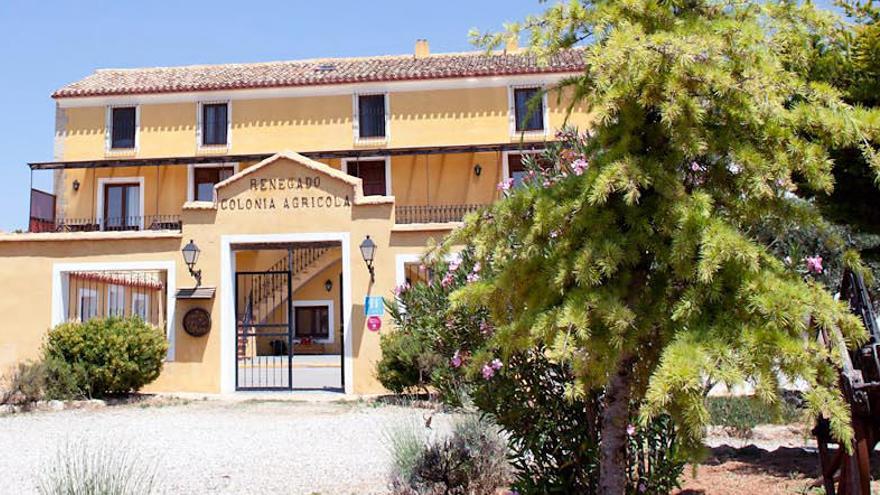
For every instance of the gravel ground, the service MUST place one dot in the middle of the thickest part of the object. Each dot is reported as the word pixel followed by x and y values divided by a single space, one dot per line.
pixel 222 447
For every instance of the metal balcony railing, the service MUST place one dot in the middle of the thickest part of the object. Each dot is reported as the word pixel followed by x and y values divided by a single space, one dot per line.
pixel 109 224
pixel 433 213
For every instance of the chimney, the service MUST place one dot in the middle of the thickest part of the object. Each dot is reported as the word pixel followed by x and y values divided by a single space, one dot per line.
pixel 422 48
pixel 512 45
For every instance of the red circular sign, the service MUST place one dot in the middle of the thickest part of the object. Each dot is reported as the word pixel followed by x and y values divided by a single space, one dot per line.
pixel 374 323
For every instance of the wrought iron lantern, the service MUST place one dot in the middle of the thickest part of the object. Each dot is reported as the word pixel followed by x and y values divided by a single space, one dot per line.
pixel 368 251
pixel 328 285
pixel 190 257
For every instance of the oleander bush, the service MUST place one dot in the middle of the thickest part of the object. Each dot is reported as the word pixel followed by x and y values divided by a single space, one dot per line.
pixel 100 357
pixel 552 435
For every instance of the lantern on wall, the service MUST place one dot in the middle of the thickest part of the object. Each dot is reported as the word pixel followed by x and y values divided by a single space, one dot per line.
pixel 368 251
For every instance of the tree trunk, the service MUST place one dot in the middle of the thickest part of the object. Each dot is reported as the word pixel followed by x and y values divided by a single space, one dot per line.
pixel 613 436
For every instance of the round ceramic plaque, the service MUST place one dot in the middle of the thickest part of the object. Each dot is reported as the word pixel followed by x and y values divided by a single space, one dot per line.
pixel 197 322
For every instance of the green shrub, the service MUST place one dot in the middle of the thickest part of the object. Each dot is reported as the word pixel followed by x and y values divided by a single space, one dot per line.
pixel 553 438
pixel 739 415
pixel 103 356
pixel 470 461
pixel 24 384
pixel 84 469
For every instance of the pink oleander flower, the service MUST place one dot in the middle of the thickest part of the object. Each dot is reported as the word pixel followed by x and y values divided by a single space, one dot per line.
pixel 400 289
pixel 579 166
pixel 554 234
pixel 814 264
pixel 456 360
pixel 630 430
pixel 488 371
pixel 505 185
pixel 473 277
pixel 696 167
pixel 446 281
pixel 453 265
pixel 477 267
pixel 496 364
pixel 485 327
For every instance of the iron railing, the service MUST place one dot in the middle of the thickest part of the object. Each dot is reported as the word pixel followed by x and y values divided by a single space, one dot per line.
pixel 149 222
pixel 433 213
pixel 302 258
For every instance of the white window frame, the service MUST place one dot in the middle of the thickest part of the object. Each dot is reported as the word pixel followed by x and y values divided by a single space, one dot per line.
pixel 91 293
pixel 115 293
pixel 511 111
pixel 387 159
pixel 191 177
pixel 505 163
pixel 99 206
pixel 331 321
pixel 61 286
pixel 356 123
pixel 401 260
pixel 108 131
pixel 214 147
pixel 135 296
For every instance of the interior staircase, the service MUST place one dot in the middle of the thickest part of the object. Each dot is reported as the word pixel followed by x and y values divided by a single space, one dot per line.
pixel 303 264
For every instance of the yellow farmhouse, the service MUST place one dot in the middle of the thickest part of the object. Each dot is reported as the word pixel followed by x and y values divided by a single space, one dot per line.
pixel 259 213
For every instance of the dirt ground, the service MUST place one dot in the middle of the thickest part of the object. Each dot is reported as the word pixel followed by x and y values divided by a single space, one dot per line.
pixel 784 461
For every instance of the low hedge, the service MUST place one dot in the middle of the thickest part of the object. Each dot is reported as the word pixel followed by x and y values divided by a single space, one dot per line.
pixel 102 356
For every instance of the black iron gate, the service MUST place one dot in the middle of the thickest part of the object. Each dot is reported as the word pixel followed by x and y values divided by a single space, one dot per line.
pixel 264 331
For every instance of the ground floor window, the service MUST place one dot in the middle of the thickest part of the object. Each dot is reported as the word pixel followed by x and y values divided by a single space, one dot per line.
pixel 87 304
pixel 312 322
pixel 140 305
pixel 124 293
pixel 417 272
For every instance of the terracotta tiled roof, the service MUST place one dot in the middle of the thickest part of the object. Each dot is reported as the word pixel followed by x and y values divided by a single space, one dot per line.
pixel 316 72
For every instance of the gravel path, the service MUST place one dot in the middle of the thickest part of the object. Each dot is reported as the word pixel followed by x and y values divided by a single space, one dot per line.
pixel 222 447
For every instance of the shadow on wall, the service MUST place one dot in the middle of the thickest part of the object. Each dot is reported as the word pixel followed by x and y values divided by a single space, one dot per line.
pixel 189 349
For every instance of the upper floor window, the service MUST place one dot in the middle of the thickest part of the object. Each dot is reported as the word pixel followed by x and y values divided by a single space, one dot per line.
pixel 123 127
pixel 204 179
pixel 122 206
pixel 528 109
pixel 371 116
pixel 515 164
pixel 214 125
pixel 373 172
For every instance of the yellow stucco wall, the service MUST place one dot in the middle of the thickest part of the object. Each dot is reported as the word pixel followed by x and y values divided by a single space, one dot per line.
pixel 451 117
pixel 315 123
pixel 27 260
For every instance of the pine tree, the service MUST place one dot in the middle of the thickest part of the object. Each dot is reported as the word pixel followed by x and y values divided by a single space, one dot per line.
pixel 634 257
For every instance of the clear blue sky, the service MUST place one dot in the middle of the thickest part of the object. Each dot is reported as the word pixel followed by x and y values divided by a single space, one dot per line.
pixel 46 44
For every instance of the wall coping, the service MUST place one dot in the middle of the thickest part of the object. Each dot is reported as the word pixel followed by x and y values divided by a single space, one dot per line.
pixel 89 236
pixel 423 227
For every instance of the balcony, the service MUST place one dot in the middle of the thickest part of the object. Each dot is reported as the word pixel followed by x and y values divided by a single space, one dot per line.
pixel 433 213
pixel 150 222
